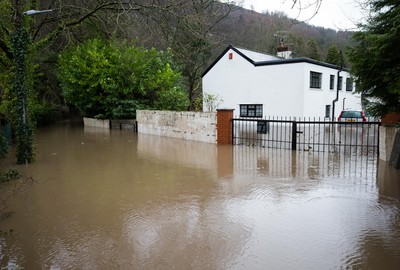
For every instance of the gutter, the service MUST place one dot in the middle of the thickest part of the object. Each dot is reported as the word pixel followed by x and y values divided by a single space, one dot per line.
pixel 337 94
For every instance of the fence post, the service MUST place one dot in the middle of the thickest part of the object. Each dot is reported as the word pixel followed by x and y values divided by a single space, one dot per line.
pixel 224 126
pixel 294 135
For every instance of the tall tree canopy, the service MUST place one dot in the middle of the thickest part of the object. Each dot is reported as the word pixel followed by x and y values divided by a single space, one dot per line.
pixel 375 58
pixel 334 56
pixel 313 50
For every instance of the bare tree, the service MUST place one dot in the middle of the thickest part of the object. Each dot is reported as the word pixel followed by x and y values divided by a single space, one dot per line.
pixel 303 5
pixel 187 27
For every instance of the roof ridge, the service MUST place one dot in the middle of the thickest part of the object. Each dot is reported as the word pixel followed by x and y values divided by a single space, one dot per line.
pixel 276 61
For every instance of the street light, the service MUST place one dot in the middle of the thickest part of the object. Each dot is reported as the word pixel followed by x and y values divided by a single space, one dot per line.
pixel 20 41
pixel 34 12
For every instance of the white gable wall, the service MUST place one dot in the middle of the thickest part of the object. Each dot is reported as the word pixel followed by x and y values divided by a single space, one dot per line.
pixel 228 79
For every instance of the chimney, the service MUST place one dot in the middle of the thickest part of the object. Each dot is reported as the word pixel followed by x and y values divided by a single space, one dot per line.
pixel 283 50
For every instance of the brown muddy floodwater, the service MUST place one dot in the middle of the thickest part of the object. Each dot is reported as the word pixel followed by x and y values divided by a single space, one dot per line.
pixel 119 200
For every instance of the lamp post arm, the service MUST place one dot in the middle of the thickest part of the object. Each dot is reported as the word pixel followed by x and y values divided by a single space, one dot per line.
pixel 34 12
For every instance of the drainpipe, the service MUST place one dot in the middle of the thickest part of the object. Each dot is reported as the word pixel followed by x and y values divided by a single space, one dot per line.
pixel 344 100
pixel 337 94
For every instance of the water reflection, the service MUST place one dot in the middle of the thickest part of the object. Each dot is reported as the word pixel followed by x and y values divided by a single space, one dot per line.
pixel 388 180
pixel 118 200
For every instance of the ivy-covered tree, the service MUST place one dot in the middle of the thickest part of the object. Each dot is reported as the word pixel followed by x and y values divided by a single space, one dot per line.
pixel 374 58
pixel 112 80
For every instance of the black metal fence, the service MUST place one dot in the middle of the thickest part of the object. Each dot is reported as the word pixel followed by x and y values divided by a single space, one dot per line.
pixel 307 134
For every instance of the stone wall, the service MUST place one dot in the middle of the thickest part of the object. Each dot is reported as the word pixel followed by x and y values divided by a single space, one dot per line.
pixel 195 126
pixel 395 156
pixel 386 142
pixel 91 122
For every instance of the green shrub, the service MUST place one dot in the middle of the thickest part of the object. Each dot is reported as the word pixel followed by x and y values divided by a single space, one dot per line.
pixel 111 80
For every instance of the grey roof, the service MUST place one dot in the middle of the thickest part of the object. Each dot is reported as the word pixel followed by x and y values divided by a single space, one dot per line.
pixel 260 59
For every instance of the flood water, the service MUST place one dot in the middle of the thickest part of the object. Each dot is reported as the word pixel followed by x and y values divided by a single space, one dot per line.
pixel 96 199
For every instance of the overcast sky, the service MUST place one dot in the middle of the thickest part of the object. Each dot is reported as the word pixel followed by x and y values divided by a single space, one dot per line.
pixel 335 14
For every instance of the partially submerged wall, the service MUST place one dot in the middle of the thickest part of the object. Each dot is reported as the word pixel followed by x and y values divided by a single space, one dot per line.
pixel 195 126
pixel 395 156
pixel 91 122
pixel 389 145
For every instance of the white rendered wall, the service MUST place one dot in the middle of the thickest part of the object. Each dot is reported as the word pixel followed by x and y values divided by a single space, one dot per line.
pixel 283 90
pixel 237 82
pixel 315 100
pixel 277 87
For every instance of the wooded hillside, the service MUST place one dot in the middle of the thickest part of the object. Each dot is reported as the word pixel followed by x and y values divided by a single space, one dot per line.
pixel 261 32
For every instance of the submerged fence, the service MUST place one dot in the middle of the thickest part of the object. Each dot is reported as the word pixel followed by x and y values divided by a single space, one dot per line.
pixel 307 134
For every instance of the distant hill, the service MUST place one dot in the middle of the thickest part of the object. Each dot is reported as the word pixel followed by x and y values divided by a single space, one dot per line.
pixel 262 31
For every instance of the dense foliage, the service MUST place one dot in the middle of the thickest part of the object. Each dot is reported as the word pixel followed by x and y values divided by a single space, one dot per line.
pixel 3 145
pixel 375 58
pixel 312 50
pixel 111 80
pixel 334 56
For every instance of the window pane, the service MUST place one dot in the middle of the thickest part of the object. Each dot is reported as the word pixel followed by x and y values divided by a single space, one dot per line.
pixel 327 110
pixel 251 110
pixel 259 110
pixel 315 79
pixel 243 110
pixel 349 84
pixel 340 83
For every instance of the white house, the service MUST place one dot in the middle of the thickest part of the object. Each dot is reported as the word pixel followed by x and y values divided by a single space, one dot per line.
pixel 256 84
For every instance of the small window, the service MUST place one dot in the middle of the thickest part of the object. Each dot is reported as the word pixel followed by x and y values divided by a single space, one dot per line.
pixel 332 82
pixel 251 110
pixel 327 111
pixel 340 83
pixel 349 84
pixel 315 79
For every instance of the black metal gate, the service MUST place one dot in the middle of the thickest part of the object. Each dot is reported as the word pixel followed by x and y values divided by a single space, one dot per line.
pixel 307 134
